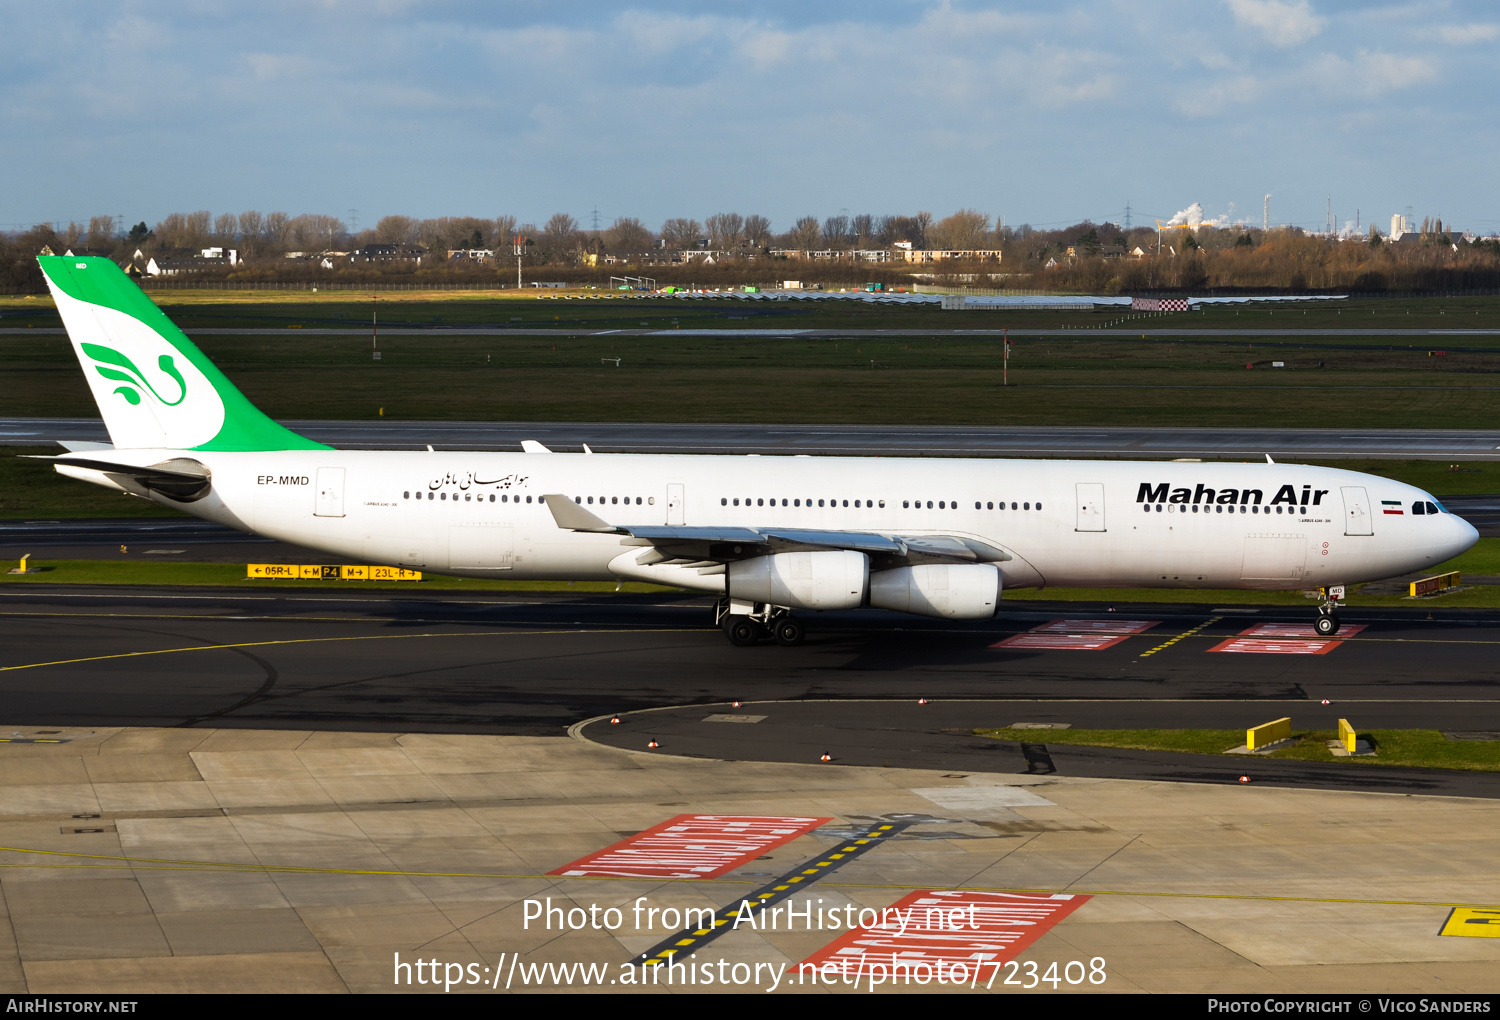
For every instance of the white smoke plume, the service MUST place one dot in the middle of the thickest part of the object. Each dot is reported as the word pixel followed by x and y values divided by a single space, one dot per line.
pixel 1193 217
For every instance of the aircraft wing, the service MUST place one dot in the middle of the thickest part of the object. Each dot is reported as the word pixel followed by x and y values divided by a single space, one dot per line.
pixel 709 545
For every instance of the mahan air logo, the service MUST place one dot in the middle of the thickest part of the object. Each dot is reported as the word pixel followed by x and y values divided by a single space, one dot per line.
pixel 126 372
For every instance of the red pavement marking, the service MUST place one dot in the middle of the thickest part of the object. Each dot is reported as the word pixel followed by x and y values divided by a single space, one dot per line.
pixel 1294 630
pixel 693 846
pixel 1074 642
pixel 1268 646
pixel 999 927
pixel 1110 626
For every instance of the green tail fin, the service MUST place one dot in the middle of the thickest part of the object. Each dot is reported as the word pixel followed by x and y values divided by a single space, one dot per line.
pixel 154 387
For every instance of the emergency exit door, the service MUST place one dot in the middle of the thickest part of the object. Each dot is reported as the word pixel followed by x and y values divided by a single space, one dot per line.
pixel 330 493
pixel 1090 506
pixel 1357 520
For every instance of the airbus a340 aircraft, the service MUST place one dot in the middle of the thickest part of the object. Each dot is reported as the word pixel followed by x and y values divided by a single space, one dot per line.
pixel 769 535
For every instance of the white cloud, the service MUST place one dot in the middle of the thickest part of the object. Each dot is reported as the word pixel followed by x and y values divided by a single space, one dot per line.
pixel 1463 35
pixel 1283 23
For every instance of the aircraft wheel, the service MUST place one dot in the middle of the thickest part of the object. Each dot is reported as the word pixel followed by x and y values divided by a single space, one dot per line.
pixel 742 631
pixel 789 631
pixel 1327 624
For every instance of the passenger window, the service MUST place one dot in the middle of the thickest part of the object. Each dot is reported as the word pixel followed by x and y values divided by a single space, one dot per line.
pixel 528 499
pixel 1218 509
pixel 1013 506
pixel 856 502
pixel 431 496
pixel 906 504
pixel 846 502
pixel 882 504
pixel 760 502
pixel 723 502
pixel 820 502
pixel 783 502
pixel 406 494
pixel 929 504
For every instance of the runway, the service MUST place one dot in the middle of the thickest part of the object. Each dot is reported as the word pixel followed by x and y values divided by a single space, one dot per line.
pixel 535 664
pixel 854 440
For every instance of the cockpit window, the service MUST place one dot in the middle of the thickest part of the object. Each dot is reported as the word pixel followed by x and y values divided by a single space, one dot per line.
pixel 1433 508
pixel 1418 508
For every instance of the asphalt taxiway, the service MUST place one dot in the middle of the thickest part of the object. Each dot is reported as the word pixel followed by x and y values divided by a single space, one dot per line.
pixel 537 663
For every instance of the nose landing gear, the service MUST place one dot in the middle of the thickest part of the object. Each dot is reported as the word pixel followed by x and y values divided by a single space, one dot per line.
pixel 1327 623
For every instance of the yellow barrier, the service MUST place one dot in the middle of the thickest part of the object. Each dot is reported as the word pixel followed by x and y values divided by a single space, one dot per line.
pixel 1435 584
pixel 1346 735
pixel 349 572
pixel 1268 733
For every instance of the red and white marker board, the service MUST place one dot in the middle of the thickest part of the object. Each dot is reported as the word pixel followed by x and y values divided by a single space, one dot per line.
pixel 693 846
pixel 1273 646
pixel 1063 642
pixel 950 926
pixel 1294 630
pixel 1105 626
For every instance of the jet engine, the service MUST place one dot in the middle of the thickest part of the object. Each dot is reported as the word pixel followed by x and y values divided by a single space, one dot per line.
pixel 835 579
pixel 964 591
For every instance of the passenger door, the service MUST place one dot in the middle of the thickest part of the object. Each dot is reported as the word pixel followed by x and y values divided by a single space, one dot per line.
pixel 1357 520
pixel 675 513
pixel 1090 506
pixel 329 501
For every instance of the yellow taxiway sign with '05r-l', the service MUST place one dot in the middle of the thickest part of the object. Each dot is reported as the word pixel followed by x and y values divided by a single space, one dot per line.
pixel 1478 922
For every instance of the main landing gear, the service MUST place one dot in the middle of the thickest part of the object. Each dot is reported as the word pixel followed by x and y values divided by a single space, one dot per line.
pixel 763 621
pixel 1327 623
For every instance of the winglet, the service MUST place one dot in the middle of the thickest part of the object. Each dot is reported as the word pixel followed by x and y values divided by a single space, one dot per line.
pixel 573 517
pixel 532 446
pixel 1269 460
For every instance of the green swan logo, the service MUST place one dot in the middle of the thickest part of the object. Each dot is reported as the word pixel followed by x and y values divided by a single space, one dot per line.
pixel 126 372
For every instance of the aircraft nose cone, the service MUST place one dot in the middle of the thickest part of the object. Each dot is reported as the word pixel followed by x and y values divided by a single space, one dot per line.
pixel 1464 535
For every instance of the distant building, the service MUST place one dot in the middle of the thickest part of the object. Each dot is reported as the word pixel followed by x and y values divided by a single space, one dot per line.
pixel 386 253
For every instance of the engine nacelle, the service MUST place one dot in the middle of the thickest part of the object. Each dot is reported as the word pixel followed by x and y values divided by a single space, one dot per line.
pixel 835 579
pixel 965 591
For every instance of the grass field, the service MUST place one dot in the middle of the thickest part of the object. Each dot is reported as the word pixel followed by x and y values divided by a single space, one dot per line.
pixel 835 381
pixel 1359 382
pixel 1411 748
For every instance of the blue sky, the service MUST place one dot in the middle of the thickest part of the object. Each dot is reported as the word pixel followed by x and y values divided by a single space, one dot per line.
pixel 1035 112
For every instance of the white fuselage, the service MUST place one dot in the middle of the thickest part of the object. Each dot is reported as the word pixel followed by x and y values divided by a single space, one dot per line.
pixel 1071 523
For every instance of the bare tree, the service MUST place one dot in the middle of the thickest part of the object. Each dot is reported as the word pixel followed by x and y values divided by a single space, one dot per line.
pixel 724 230
pixel 805 233
pixel 966 229
pixel 681 233
pixel 184 230
pixel 505 232
pixel 396 230
pixel 862 230
pixel 836 232
pixel 252 232
pixel 312 232
pixel 757 230
pixel 627 234
pixel 70 237
pixel 101 236
pixel 275 231
pixel 225 225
